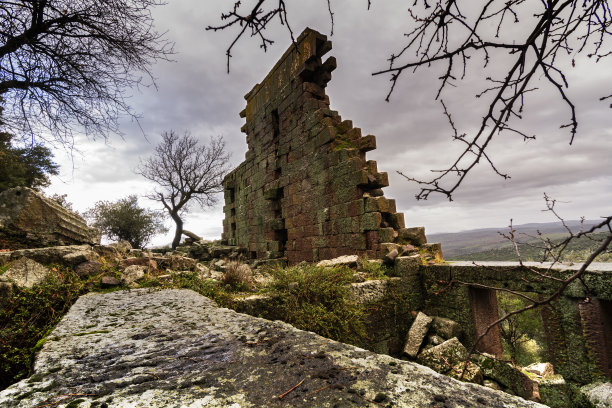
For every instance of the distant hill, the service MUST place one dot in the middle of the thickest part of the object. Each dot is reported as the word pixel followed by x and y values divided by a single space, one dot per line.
pixel 487 244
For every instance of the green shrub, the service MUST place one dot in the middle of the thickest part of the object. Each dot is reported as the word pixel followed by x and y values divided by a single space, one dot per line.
pixel 375 270
pixel 316 299
pixel 124 220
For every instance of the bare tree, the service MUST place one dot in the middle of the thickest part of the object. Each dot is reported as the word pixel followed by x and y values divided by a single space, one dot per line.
pixel 185 172
pixel 458 36
pixel 65 65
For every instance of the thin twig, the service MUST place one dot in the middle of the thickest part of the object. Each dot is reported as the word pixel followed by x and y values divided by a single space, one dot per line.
pixel 291 389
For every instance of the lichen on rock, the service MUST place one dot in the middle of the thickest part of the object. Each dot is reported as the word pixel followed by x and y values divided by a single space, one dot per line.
pixel 175 348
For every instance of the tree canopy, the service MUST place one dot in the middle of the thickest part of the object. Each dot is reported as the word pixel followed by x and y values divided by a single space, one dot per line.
pixel 65 65
pixel 28 166
pixel 125 220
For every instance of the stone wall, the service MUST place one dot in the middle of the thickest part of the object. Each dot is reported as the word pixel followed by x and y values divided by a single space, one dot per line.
pixel 30 220
pixel 577 325
pixel 305 191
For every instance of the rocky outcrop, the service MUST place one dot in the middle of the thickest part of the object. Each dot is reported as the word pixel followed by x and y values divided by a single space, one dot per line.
pixel 30 220
pixel 599 394
pixel 174 348
pixel 69 254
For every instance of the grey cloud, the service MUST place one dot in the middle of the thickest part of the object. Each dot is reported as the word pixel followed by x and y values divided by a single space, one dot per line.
pixel 194 93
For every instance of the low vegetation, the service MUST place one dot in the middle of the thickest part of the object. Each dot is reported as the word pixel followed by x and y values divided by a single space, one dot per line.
pixel 316 299
pixel 28 316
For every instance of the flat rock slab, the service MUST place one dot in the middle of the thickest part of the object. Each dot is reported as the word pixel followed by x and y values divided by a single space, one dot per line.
pixel 175 348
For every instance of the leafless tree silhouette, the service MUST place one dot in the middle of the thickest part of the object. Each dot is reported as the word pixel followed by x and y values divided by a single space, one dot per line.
pixel 185 172
pixel 65 65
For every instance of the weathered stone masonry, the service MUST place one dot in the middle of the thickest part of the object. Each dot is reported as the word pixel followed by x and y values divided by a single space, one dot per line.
pixel 305 190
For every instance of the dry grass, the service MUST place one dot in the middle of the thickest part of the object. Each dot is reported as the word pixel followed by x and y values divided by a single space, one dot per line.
pixel 238 276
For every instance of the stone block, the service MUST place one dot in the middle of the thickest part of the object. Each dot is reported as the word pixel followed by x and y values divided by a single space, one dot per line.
pixel 407 265
pixel 397 220
pixel 387 234
pixel 416 334
pixel 446 328
pixel 28 219
pixel 367 143
pixel 414 236
pixel 442 358
pixel 380 204
pixel 371 221
pixel 508 376
pixel 25 273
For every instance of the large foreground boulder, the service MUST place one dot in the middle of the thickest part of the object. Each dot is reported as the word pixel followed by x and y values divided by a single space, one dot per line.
pixel 30 220
pixel 175 348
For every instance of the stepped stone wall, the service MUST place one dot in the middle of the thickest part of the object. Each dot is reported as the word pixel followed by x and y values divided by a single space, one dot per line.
pixel 305 191
pixel 30 220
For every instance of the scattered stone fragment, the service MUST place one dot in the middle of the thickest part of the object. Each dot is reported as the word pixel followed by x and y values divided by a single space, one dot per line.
pixel 359 277
pixel 346 260
pixel 472 373
pixel 25 273
pixel 89 268
pixel 492 384
pixel 109 282
pixel 147 262
pixel 446 328
pixel 508 376
pixel 443 357
pixel 191 235
pixel 220 265
pixel 133 274
pixel 414 236
pixel 389 258
pixel 408 250
pixel 416 334
pixel 122 246
pixel 43 255
pixel 541 369
pixel 107 252
pixel 262 279
pixel 434 340
pixel 80 256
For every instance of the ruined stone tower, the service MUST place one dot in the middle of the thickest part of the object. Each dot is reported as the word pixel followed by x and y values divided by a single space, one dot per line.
pixel 305 191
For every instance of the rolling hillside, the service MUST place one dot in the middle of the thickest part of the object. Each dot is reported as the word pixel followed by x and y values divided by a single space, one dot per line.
pixel 487 244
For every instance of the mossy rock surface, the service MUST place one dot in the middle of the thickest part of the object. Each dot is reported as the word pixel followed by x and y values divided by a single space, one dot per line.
pixel 215 359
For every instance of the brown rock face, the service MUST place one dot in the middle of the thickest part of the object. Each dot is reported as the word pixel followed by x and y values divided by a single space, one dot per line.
pixel 30 220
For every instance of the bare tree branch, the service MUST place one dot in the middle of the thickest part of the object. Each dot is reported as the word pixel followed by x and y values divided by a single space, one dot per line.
pixel 65 65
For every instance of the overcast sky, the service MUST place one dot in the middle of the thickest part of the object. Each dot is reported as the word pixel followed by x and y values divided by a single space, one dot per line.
pixel 195 93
